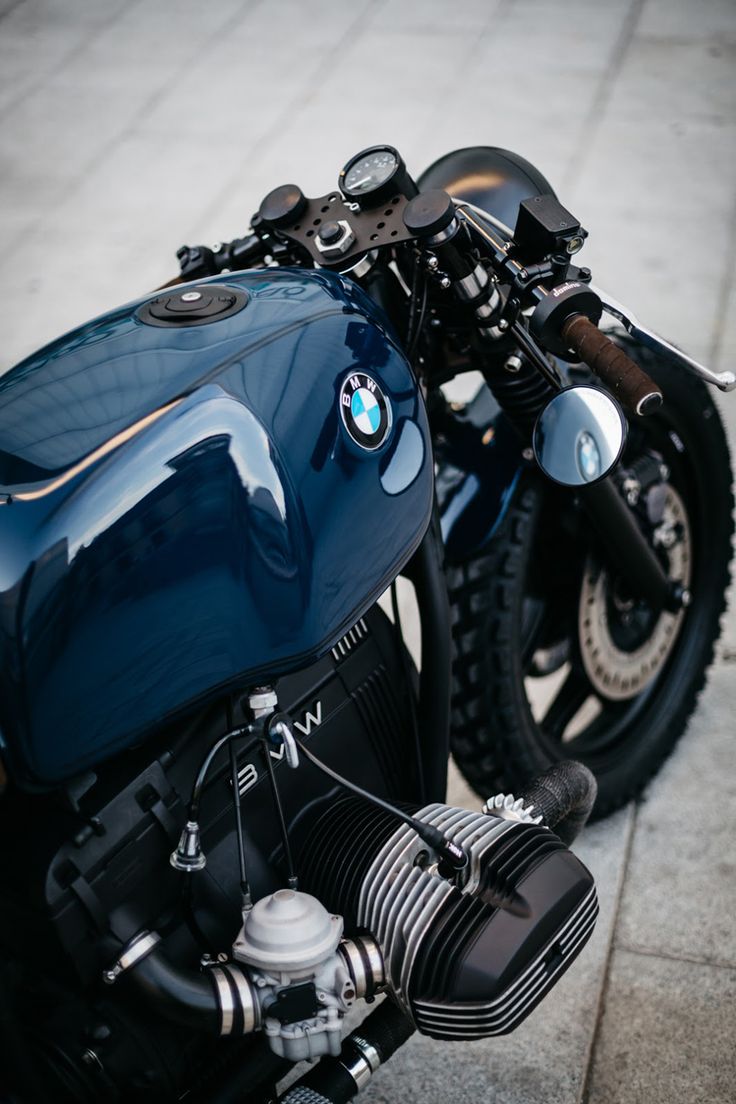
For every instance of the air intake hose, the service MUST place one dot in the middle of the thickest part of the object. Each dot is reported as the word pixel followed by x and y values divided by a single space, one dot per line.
pixel 564 796
pixel 180 995
pixel 221 1000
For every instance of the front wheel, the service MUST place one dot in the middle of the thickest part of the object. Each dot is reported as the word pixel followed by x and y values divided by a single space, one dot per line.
pixel 553 658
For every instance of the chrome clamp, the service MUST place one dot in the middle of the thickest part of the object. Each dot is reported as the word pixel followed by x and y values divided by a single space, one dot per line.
pixel 134 951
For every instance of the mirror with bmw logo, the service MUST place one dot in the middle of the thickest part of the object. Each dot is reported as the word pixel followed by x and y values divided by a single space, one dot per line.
pixel 579 436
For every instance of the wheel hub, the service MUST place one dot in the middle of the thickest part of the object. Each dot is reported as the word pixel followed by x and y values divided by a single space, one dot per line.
pixel 623 645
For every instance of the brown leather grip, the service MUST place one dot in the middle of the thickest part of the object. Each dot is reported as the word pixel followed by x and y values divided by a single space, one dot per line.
pixel 613 367
pixel 172 283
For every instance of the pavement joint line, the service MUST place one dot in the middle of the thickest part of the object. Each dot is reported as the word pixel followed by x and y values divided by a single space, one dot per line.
pixel 312 85
pixel 73 53
pixel 599 102
pixel 102 154
pixel 589 1057
pixel 714 39
pixel 671 956
pixel 298 101
pixel 497 17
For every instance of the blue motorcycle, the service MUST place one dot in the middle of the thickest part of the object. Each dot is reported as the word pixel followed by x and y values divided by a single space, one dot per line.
pixel 222 774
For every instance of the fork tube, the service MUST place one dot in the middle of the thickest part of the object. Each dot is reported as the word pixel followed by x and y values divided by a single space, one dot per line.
pixel 627 550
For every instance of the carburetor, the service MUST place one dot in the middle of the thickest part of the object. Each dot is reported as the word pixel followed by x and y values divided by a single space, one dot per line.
pixel 304 978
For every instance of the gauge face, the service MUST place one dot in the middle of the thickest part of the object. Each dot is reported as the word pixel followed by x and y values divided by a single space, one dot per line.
pixel 369 171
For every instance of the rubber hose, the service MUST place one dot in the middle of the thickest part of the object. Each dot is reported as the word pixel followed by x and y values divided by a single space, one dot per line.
pixel 386 1030
pixel 564 796
pixel 183 996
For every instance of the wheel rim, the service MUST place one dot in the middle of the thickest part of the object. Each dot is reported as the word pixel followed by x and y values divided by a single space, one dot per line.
pixel 622 658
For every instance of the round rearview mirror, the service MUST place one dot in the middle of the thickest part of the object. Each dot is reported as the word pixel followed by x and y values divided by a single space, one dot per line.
pixel 579 436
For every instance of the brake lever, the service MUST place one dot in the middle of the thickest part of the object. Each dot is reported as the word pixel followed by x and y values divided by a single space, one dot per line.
pixel 725 381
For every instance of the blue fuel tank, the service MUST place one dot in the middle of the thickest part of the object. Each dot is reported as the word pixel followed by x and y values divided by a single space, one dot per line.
pixel 196 494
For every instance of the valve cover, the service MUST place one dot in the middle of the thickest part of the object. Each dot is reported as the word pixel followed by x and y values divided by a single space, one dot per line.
pixel 466 959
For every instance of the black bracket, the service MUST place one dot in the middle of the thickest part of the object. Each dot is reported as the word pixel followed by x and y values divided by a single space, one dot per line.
pixel 372 228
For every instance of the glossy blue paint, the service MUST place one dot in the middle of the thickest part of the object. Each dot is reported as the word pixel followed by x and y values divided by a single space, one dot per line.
pixel 480 465
pixel 182 511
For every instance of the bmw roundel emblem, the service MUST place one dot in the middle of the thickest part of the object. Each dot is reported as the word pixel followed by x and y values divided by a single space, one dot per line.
pixel 365 410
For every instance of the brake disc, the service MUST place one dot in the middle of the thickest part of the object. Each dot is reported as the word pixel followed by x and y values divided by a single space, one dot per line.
pixel 618 672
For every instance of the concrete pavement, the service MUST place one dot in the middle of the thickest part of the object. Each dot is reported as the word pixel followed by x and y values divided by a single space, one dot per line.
pixel 128 127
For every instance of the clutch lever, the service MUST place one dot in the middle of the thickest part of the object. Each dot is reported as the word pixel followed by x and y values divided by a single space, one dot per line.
pixel 725 381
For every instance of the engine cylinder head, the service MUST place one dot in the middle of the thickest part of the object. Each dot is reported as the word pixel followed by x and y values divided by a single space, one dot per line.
pixel 465 958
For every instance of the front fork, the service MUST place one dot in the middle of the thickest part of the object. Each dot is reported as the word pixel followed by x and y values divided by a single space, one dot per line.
pixel 626 548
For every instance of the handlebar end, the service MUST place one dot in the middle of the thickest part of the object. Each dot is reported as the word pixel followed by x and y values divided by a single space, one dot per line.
pixel 649 403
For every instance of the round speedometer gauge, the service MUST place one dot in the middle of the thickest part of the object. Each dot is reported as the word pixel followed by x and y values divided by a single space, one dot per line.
pixel 374 175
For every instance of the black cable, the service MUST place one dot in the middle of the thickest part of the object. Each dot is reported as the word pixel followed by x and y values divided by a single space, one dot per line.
pixel 413 301
pixel 190 918
pixel 450 852
pixel 409 689
pixel 193 814
pixel 244 884
pixel 528 345
pixel 194 800
pixel 290 872
pixel 415 331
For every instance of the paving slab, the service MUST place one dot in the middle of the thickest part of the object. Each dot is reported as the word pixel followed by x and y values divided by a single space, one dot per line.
pixel 667 1034
pixel 713 19
pixel 680 893
pixel 38 37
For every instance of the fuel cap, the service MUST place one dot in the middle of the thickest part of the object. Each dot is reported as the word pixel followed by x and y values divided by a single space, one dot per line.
pixel 192 306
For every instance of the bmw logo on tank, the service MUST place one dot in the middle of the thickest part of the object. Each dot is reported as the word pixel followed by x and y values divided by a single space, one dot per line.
pixel 365 410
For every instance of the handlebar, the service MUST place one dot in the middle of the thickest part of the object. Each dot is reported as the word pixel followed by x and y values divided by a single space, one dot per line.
pixel 611 364
pixel 468 249
pixel 198 261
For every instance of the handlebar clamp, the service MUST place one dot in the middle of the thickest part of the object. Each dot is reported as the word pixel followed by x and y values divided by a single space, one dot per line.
pixel 560 303
pixel 196 262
